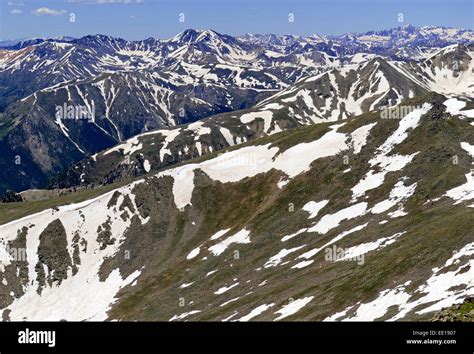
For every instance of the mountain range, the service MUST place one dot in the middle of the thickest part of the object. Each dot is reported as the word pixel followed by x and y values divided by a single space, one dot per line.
pixel 341 92
pixel 216 178
pixel 361 219
pixel 131 87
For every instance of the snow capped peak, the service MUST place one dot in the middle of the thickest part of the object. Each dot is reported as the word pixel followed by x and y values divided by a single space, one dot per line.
pixel 191 36
pixel 99 40
pixel 185 37
pixel 207 35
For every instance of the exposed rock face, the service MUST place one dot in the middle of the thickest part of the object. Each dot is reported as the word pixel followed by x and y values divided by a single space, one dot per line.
pixel 53 255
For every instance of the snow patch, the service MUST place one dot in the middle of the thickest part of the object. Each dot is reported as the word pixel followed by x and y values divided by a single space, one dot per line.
pixel 255 312
pixel 313 208
pixel 293 307
pixel 241 237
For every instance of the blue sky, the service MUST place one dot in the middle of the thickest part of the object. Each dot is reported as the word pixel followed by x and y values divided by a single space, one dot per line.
pixel 139 19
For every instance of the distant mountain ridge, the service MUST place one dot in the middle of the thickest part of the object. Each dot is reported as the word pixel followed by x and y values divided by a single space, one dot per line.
pixel 397 36
pixel 333 95
pixel 139 86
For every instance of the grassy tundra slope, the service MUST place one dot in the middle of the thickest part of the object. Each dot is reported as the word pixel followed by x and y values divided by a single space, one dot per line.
pixel 248 234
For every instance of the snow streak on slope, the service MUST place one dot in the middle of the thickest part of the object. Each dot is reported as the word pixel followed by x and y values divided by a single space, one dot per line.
pixel 446 286
pixel 314 207
pixel 356 251
pixel 255 312
pixel 81 296
pixel 293 307
pixel 455 106
pixel 465 191
pixel 240 237
pixel 386 162
pixel 397 194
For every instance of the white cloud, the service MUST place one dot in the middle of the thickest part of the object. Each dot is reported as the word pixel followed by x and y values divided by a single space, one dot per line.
pixel 13 3
pixel 16 12
pixel 44 11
